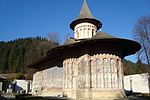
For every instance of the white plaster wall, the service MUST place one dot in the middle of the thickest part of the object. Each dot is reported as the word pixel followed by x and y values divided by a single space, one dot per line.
pixel 137 83
pixel 1 83
pixel 84 30
pixel 24 84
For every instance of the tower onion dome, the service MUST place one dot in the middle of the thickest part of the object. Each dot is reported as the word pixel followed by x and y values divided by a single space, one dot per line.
pixel 85 16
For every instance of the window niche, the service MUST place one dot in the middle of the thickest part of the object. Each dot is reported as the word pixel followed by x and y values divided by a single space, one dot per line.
pixel 88 32
pixel 99 70
pixel 112 63
pixel 77 34
pixel 98 62
pixel 93 32
pixel 84 32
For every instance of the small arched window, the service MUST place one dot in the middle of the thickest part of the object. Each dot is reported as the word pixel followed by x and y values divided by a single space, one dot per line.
pixel 77 34
pixel 93 32
pixel 84 31
pixel 118 65
pixel 88 32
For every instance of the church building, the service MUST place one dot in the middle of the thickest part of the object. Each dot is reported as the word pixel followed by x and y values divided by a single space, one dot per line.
pixel 88 66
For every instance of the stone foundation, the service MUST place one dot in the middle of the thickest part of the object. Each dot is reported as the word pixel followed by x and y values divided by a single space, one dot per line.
pixel 89 94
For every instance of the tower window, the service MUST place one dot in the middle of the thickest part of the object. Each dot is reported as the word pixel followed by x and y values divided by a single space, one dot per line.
pixel 88 32
pixel 77 33
pixel 92 32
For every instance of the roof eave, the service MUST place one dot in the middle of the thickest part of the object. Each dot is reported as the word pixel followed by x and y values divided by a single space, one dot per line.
pixel 96 22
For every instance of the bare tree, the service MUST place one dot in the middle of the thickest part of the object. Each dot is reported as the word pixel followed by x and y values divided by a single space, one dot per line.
pixel 142 35
pixel 54 37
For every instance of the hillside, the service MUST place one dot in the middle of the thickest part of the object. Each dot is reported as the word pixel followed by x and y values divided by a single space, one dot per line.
pixel 129 67
pixel 135 68
pixel 17 54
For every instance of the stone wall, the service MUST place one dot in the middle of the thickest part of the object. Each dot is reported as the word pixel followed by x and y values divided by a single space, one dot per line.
pixel 48 82
pixel 92 76
pixel 88 77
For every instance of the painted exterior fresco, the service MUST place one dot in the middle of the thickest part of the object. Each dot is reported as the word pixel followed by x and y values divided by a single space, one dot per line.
pixel 81 77
pixel 92 76
pixel 46 81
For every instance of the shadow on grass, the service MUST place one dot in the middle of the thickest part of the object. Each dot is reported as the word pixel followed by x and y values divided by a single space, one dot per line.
pixel 137 96
pixel 30 97
pixel 4 98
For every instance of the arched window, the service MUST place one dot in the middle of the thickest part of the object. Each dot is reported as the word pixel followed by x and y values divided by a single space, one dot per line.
pixel 88 32
pixel 93 32
pixel 77 34
pixel 84 32
pixel 80 29
pixel 118 65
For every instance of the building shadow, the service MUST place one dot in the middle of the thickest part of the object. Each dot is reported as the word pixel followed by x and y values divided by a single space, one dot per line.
pixel 7 98
pixel 21 97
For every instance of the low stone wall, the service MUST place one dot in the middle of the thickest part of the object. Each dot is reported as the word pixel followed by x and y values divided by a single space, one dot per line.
pixel 48 82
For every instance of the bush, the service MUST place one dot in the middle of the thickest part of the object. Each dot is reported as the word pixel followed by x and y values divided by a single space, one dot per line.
pixel 19 76
pixel 13 76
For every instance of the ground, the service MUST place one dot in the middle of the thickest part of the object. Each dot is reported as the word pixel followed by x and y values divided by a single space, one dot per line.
pixel 131 97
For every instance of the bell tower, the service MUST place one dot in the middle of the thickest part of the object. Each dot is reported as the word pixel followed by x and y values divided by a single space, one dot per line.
pixel 85 26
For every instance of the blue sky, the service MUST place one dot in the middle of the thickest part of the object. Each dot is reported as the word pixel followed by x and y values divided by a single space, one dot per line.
pixel 30 18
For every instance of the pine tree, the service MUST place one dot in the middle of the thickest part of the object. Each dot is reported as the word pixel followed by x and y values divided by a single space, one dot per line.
pixel 139 66
pixel 17 54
